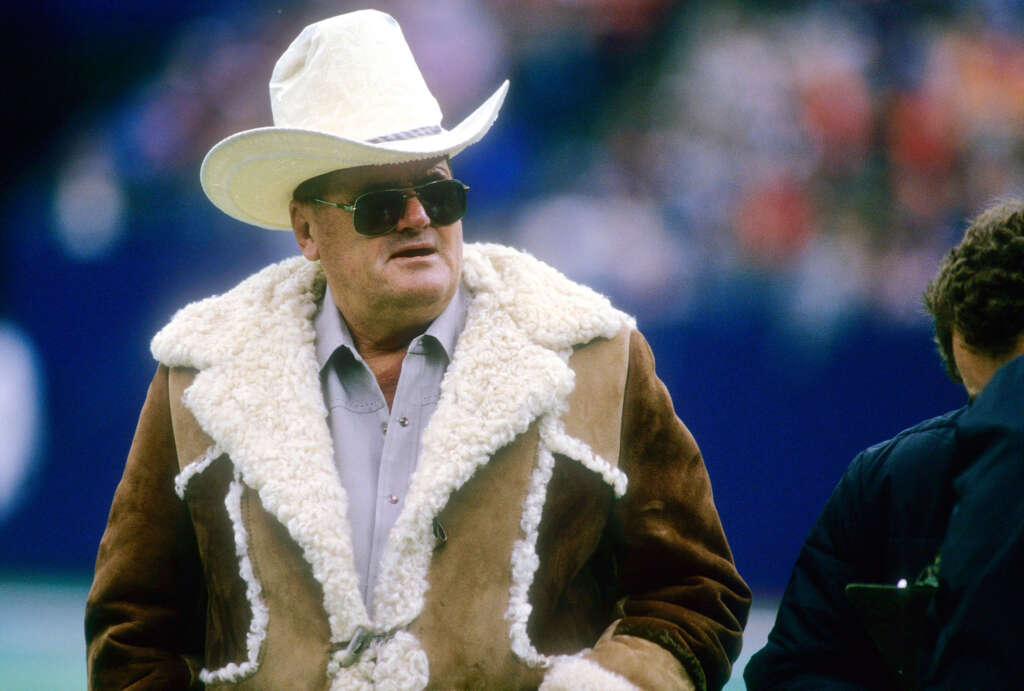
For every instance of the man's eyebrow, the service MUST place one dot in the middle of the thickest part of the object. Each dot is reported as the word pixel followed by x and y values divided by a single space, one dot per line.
pixel 432 175
pixel 438 172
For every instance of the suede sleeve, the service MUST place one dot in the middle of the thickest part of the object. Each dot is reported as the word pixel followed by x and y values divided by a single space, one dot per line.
pixel 681 589
pixel 144 615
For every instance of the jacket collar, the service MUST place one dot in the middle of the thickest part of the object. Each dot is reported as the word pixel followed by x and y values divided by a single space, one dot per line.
pixel 258 396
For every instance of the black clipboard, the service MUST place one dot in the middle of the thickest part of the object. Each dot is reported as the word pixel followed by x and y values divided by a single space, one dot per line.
pixel 894 617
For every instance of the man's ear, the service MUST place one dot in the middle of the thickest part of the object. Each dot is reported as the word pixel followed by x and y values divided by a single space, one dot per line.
pixel 302 220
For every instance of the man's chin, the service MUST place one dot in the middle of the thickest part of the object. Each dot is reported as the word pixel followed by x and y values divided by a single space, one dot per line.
pixel 422 295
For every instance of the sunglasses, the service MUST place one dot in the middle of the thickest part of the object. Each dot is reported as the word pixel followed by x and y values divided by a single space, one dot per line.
pixel 378 212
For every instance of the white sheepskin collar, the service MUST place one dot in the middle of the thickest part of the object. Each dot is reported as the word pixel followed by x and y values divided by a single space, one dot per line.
pixel 258 396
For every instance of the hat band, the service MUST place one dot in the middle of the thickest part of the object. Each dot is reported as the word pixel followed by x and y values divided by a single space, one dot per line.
pixel 407 134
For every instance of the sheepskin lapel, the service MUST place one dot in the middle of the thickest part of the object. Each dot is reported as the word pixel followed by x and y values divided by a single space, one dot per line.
pixel 257 395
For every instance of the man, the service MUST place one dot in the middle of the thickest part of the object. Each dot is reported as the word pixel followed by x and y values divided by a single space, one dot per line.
pixel 398 461
pixel 888 516
pixel 978 606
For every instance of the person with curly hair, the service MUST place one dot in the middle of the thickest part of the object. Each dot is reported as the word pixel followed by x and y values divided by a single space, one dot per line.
pixel 888 519
pixel 978 300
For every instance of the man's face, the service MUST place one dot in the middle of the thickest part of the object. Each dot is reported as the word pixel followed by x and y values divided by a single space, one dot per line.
pixel 408 274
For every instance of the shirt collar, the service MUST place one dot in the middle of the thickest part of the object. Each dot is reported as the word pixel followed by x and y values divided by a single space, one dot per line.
pixel 332 331
pixel 448 325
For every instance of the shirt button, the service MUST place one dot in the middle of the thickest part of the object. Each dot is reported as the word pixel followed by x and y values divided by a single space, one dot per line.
pixel 384 428
pixel 403 421
pixel 393 498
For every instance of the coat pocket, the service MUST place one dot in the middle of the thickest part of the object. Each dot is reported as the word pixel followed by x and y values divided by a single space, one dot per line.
pixel 236 615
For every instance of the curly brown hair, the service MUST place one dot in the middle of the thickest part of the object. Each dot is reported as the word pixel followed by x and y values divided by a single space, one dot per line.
pixel 979 289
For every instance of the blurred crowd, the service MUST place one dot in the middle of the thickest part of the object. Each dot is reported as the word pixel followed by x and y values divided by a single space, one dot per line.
pixel 810 161
pixel 675 155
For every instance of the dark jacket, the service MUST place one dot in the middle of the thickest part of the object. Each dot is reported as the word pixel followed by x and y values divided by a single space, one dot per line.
pixel 979 606
pixel 884 521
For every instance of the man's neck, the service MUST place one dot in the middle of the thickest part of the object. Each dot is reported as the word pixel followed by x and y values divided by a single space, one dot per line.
pixel 386 368
pixel 387 326
pixel 382 332
pixel 383 345
pixel 384 354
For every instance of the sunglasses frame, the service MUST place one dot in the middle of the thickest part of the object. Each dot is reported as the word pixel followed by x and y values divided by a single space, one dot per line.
pixel 405 192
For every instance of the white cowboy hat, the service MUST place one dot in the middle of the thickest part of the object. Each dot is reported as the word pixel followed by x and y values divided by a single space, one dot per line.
pixel 347 92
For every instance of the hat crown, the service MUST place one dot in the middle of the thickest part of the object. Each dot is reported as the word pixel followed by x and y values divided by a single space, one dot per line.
pixel 352 76
pixel 346 93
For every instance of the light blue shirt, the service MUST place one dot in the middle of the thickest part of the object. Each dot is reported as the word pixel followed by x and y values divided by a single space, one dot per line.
pixel 375 450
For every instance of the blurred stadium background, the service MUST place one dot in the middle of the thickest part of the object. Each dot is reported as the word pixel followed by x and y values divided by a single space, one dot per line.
pixel 767 186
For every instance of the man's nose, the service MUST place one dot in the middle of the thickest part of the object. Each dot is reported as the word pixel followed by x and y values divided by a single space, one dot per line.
pixel 414 215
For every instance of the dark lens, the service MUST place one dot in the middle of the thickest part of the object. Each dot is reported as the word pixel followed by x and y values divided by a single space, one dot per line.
pixel 444 201
pixel 378 212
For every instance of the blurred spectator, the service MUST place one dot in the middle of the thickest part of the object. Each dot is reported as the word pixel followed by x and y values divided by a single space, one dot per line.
pixel 21 411
pixel 804 163
pixel 758 132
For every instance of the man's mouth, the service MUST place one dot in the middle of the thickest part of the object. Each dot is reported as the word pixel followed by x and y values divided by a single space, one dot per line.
pixel 413 252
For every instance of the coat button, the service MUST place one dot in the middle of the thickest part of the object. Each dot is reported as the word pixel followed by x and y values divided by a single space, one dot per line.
pixel 384 428
pixel 393 498
pixel 403 421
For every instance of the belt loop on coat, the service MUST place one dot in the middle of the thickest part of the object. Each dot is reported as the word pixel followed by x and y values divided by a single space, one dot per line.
pixel 359 642
pixel 440 534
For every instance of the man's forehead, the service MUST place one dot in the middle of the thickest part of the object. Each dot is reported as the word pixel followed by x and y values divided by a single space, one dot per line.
pixel 391 175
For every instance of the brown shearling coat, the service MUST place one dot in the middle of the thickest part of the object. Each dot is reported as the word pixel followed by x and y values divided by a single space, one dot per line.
pixel 560 521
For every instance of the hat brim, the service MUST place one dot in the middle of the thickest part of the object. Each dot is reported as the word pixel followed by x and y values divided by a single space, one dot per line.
pixel 251 175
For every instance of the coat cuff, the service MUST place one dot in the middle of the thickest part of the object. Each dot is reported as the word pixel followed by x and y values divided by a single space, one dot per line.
pixel 639 662
pixel 577 673
pixel 660 643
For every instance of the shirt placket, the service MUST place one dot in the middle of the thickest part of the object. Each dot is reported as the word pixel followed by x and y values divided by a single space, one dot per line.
pixel 399 454
pixel 350 404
